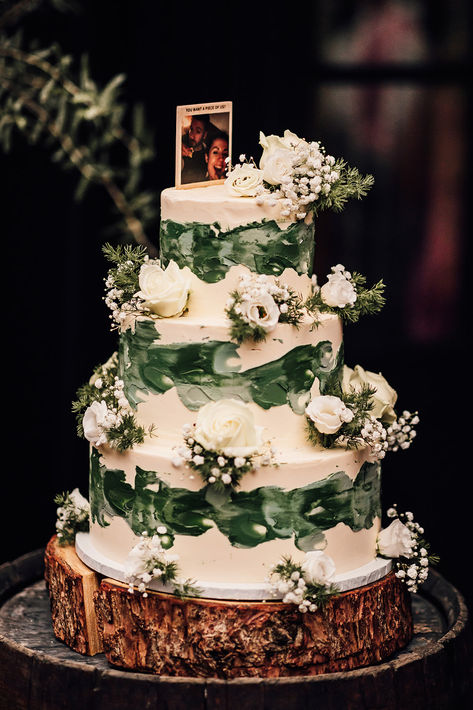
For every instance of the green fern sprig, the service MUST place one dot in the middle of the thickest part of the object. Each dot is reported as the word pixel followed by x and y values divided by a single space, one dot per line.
pixel 350 184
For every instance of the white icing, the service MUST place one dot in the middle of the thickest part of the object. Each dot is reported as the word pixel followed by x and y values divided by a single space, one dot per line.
pixel 214 203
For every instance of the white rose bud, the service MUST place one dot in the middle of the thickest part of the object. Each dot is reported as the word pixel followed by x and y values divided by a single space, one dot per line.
pixel 228 426
pixel 385 396
pixel 395 540
pixel 318 568
pixel 94 423
pixel 278 166
pixel 164 291
pixel 338 292
pixel 327 413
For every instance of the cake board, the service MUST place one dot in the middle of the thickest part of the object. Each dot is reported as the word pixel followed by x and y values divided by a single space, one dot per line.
pixel 38 672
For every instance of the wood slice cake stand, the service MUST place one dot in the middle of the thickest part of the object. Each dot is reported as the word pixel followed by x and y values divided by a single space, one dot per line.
pixel 39 673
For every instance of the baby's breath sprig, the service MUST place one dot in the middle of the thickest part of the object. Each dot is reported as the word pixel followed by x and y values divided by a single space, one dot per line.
pixel 258 305
pixel 122 282
pixel 105 390
pixel 345 295
pixel 148 560
pixel 290 579
pixel 72 516
pixel 220 471
pixel 405 537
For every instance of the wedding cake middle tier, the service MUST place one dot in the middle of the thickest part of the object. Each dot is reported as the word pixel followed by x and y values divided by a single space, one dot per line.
pixel 171 367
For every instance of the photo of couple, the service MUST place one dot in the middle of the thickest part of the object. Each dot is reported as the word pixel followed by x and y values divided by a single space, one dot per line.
pixel 204 145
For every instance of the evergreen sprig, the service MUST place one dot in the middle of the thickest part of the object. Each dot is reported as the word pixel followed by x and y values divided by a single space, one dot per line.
pixel 127 261
pixel 350 184
pixel 368 301
pixel 86 127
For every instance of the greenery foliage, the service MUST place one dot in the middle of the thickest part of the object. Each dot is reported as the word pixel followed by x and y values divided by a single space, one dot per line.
pixel 52 100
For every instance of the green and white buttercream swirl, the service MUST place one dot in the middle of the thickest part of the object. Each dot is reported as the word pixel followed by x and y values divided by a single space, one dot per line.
pixel 246 518
pixel 210 370
pixel 264 247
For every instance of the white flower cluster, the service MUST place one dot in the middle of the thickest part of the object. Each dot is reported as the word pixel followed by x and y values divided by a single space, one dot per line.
pixel 402 541
pixel 299 172
pixel 101 416
pixel 339 291
pixel 399 434
pixel 211 467
pixel 147 561
pixel 306 585
pixel 122 312
pixel 72 515
pixel 261 302
pixel 163 292
pixel 223 443
pixel 292 172
pixel 373 434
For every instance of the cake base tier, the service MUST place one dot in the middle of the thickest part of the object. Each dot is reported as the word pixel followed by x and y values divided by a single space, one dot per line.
pixel 359 577
pixel 37 672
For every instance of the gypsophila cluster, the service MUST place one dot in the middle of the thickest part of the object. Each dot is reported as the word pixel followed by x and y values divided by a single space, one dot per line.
pixel 103 413
pixel 373 434
pixel 298 177
pixel 148 561
pixel 72 516
pixel 221 471
pixel 412 564
pixel 400 434
pixel 288 580
pixel 122 283
pixel 258 305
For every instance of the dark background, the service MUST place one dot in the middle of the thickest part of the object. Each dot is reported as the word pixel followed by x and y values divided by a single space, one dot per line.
pixel 383 84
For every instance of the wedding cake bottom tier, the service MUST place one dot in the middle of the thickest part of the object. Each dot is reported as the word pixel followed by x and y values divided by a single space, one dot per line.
pixel 167 635
pixel 314 500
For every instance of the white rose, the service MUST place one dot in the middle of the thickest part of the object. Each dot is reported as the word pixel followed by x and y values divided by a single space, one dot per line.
pixel 395 540
pixel 270 144
pixel 244 180
pixel 328 413
pixel 318 568
pixel 278 166
pixel 338 291
pixel 261 310
pixel 228 426
pixel 290 139
pixel 164 291
pixel 385 396
pixel 81 503
pixel 94 422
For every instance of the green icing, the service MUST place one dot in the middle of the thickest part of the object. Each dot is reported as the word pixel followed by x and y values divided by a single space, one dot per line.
pixel 246 518
pixel 211 371
pixel 262 246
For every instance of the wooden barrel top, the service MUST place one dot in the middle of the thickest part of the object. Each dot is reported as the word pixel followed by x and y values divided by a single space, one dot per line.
pixel 38 672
